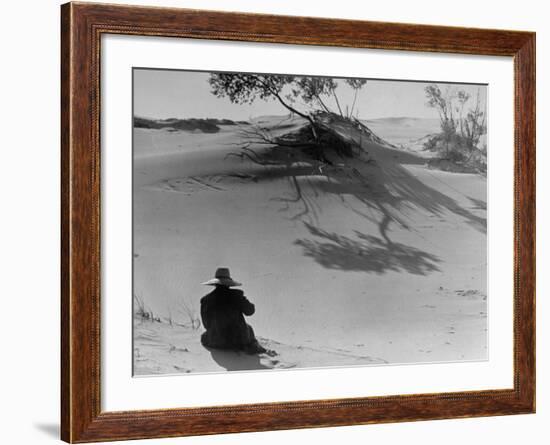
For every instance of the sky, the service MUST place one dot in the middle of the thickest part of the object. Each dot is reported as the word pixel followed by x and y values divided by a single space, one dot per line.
pixel 162 94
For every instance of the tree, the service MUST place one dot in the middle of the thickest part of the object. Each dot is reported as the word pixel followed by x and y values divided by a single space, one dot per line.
pixel 287 90
pixel 443 103
pixel 246 88
pixel 462 97
pixel 312 89
pixel 450 106
pixel 474 126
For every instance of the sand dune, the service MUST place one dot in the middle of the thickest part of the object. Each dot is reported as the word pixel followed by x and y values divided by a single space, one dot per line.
pixel 405 132
pixel 163 349
pixel 377 256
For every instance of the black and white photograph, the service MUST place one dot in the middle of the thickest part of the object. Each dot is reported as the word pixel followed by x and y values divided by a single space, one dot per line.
pixel 287 221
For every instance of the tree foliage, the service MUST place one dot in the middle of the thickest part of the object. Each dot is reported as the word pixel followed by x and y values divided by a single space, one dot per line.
pixel 245 88
pixel 474 125
pixel 312 89
pixel 288 90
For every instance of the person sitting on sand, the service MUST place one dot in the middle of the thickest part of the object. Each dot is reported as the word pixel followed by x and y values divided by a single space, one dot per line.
pixel 222 313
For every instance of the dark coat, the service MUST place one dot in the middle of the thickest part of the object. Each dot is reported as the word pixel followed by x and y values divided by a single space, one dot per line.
pixel 222 313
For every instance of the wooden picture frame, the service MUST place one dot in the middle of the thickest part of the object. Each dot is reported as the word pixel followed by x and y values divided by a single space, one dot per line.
pixel 82 25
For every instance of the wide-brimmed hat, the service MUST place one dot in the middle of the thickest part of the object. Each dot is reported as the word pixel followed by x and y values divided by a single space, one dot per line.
pixel 222 278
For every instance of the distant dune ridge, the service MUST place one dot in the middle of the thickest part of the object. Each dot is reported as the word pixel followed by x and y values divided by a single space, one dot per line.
pixel 327 122
pixel 209 125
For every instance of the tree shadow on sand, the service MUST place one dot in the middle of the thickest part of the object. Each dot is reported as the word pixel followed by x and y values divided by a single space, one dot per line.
pixel 375 183
pixel 367 253
pixel 386 186
pixel 387 192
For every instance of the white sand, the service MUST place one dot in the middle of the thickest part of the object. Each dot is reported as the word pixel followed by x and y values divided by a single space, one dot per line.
pixel 384 259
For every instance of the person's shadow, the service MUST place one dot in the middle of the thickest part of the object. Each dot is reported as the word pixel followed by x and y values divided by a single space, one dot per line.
pixel 236 360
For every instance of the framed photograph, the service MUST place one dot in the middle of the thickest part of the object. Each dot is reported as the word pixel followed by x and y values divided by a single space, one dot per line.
pixel 274 222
